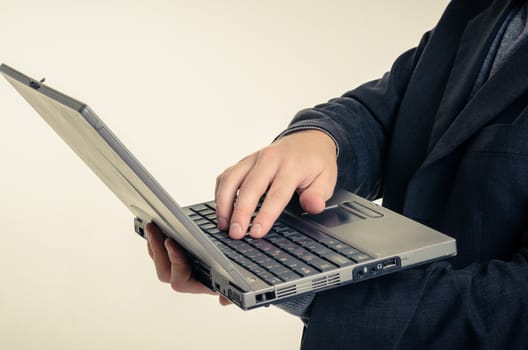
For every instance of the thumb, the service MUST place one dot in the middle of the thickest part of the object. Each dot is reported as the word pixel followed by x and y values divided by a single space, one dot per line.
pixel 313 198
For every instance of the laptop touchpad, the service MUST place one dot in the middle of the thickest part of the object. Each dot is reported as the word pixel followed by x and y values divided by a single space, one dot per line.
pixel 334 216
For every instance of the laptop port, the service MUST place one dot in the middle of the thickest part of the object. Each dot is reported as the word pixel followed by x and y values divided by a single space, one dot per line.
pixel 376 268
pixel 265 297
pixel 362 272
pixel 390 264
pixel 138 227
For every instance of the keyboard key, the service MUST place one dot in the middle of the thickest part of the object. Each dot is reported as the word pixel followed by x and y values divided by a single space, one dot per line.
pixel 360 257
pixel 211 217
pixel 274 252
pixel 279 270
pixel 201 221
pixel 349 251
pixel 339 260
pixel 242 260
pixel 314 246
pixel 255 254
pixel 199 207
pixel 258 270
pixel 276 239
pixel 270 264
pixel 288 246
pixel 339 247
pixel 286 231
pixel 269 278
pixel 287 259
pixel 222 236
pixel 300 252
pixel 225 249
pixel 328 241
pixel 237 245
pixel 322 251
pixel 262 245
pixel 259 258
pixel 321 265
pixel 207 226
pixel 271 236
pixel 305 270
pixel 301 239
pixel 278 227
pixel 308 258
pixel 289 276
pixel 215 231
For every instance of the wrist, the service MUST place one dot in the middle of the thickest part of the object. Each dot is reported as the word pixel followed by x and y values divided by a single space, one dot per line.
pixel 316 133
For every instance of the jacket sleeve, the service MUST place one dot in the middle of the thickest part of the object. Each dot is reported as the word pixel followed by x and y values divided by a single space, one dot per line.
pixel 482 306
pixel 360 123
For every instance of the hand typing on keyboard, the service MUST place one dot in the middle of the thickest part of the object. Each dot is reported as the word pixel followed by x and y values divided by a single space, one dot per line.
pixel 304 161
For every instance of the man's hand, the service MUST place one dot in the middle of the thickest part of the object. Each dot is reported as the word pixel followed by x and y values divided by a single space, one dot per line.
pixel 172 265
pixel 304 161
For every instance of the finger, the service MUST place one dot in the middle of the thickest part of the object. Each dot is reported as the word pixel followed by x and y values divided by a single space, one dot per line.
pixel 277 198
pixel 227 185
pixel 313 198
pixel 252 189
pixel 181 279
pixel 159 254
pixel 223 301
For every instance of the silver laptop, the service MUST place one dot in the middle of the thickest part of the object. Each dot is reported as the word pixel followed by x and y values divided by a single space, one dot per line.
pixel 352 240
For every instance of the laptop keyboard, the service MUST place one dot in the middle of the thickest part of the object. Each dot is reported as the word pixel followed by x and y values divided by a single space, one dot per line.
pixel 284 254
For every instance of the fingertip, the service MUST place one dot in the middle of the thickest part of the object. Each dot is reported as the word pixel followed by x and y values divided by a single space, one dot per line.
pixel 312 203
pixel 150 227
pixel 222 223
pixel 152 232
pixel 235 230
pixel 256 230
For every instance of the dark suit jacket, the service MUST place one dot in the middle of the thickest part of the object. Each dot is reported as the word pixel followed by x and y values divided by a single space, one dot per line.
pixel 455 163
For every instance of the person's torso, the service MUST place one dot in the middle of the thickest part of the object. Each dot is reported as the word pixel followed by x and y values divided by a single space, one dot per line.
pixel 468 169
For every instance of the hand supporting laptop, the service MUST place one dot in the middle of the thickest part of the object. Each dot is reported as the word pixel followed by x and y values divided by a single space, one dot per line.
pixel 172 265
pixel 304 161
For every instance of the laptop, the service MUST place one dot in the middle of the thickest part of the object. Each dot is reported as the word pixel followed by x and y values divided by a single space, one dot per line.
pixel 352 240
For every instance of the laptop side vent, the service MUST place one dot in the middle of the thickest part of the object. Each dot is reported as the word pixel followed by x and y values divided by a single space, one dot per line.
pixel 315 284
pixel 334 279
pixel 286 291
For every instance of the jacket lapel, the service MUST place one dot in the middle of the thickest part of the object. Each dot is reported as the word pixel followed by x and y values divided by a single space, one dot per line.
pixel 506 85
pixel 500 91
pixel 474 47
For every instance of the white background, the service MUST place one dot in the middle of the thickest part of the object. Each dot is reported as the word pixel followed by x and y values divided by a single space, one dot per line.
pixel 190 87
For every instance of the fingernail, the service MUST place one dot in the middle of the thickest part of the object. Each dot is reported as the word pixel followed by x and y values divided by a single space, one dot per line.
pixel 256 229
pixel 236 230
pixel 222 223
